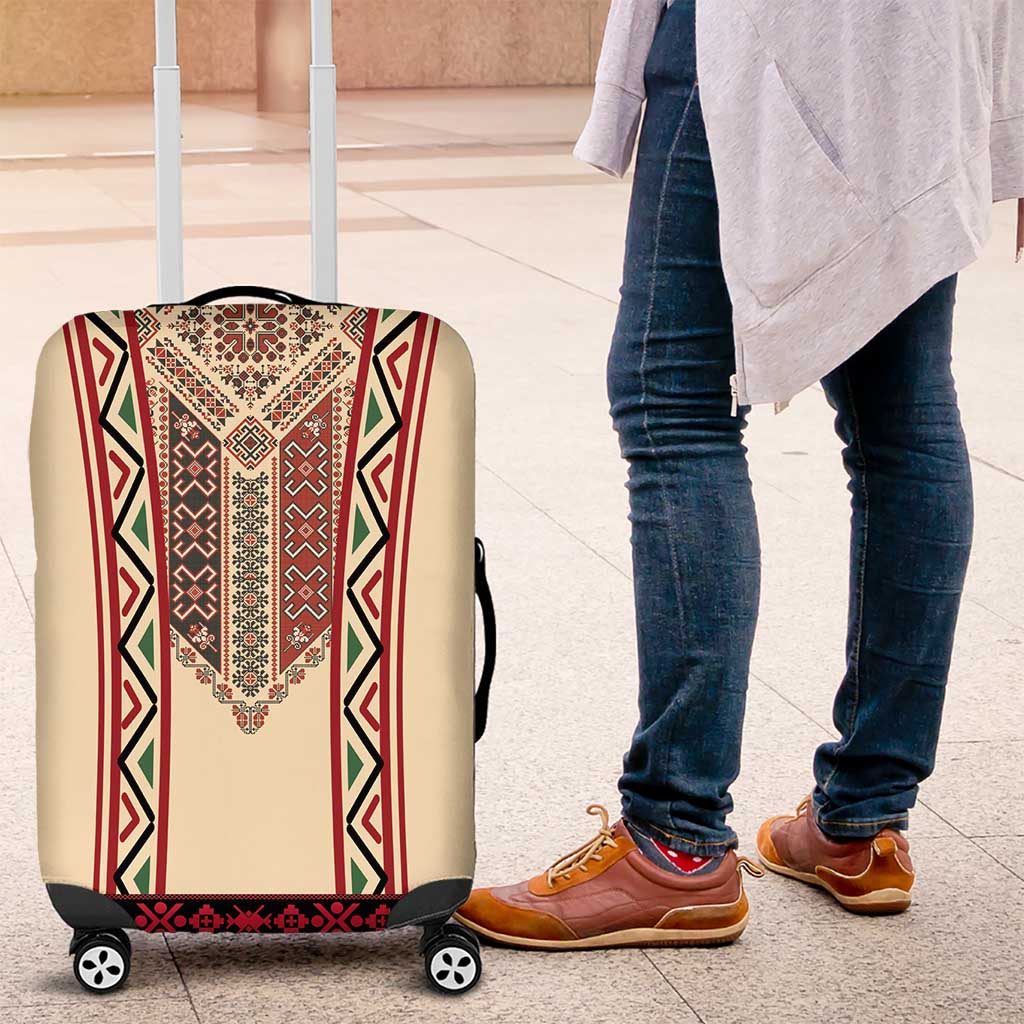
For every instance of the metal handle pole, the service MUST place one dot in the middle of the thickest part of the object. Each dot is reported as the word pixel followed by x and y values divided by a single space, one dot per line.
pixel 323 171
pixel 167 148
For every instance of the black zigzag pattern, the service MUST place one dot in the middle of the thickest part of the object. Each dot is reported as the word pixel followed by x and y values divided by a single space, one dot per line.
pixel 146 597
pixel 351 583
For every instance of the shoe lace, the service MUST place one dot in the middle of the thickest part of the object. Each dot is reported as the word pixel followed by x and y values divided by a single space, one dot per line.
pixel 804 807
pixel 583 855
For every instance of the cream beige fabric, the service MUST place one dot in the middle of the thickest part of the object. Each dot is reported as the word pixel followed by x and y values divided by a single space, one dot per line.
pixel 254 527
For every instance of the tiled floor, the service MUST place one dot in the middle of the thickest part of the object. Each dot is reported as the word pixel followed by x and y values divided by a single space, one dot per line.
pixel 468 204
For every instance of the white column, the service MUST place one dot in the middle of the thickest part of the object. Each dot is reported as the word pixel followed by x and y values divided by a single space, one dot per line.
pixel 323 172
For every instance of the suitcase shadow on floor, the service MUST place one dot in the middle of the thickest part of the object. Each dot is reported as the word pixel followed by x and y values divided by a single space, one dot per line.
pixel 281 960
pixel 247 962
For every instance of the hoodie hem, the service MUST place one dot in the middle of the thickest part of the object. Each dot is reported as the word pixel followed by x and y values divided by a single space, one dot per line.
pixel 822 323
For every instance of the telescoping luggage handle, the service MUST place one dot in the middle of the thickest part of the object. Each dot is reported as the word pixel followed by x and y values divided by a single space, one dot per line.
pixel 323 173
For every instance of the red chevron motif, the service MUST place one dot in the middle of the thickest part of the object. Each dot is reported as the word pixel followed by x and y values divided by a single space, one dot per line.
pixel 368 590
pixel 124 471
pixel 378 472
pixel 364 707
pixel 132 590
pixel 136 705
pixel 393 359
pixel 107 354
pixel 367 821
pixel 133 816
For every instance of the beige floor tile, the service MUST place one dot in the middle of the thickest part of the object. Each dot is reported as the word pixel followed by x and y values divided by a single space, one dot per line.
pixel 104 1010
pixel 448 165
pixel 1007 850
pixel 535 114
pixel 951 959
pixel 116 124
pixel 976 787
pixel 366 979
pixel 51 199
pixel 572 232
pixel 42 976
pixel 529 275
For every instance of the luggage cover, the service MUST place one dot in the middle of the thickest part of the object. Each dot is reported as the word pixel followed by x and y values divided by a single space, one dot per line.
pixel 254 600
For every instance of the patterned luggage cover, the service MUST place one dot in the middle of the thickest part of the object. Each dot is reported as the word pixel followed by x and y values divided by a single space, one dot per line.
pixel 254 527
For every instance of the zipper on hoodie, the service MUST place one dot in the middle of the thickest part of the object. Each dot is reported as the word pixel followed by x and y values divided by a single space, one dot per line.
pixel 734 388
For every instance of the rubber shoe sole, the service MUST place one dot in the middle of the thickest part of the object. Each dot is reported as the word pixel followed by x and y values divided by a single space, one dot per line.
pixel 627 937
pixel 881 901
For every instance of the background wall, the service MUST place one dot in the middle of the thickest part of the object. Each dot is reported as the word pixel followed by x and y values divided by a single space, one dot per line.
pixel 106 46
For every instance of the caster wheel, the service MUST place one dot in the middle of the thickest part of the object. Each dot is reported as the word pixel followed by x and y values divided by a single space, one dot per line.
pixel 102 962
pixel 452 960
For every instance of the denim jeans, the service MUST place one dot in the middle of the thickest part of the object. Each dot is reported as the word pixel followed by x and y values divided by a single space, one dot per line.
pixel 696 555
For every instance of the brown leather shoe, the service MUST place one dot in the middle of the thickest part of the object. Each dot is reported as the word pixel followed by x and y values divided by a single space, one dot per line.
pixel 867 876
pixel 607 893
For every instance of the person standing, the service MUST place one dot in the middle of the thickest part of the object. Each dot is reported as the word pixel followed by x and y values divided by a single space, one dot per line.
pixel 793 218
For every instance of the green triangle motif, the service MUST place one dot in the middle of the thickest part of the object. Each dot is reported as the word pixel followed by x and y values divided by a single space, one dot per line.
pixel 355 647
pixel 140 528
pixel 355 765
pixel 146 763
pixel 358 878
pixel 146 644
pixel 359 530
pixel 127 410
pixel 385 313
pixel 373 415
pixel 142 877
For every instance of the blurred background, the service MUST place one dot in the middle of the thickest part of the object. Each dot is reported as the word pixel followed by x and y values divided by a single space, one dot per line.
pixel 458 195
pixel 105 46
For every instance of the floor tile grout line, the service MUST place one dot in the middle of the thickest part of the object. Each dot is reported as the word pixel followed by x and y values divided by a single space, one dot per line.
pixel 796 707
pixel 991 856
pixel 671 985
pixel 286 154
pixel 17 579
pixel 996 468
pixel 991 611
pixel 181 976
pixel 458 138
pixel 565 529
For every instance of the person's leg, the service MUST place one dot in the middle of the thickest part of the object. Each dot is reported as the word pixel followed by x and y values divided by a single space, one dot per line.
pixel 696 565
pixel 910 478
pixel 696 558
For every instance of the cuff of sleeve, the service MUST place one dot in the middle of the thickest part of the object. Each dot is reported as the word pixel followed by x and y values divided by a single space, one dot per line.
pixel 609 135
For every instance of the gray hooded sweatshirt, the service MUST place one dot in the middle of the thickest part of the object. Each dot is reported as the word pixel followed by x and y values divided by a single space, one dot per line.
pixel 857 146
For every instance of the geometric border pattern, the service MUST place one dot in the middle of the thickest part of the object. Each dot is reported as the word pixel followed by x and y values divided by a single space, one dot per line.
pixel 132 601
pixel 287 550
pixel 263 914
pixel 366 664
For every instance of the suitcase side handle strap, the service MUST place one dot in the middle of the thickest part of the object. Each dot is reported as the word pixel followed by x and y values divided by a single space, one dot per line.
pixel 483 595
pixel 255 291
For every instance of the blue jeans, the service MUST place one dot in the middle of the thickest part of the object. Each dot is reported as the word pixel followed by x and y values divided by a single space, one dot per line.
pixel 696 555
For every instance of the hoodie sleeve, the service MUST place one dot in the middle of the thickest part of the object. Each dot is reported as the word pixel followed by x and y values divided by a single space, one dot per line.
pixel 610 132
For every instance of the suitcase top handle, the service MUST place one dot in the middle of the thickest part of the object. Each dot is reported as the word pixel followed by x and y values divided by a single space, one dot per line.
pixel 255 291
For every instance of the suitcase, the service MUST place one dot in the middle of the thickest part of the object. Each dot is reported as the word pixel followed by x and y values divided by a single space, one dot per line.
pixel 255 607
